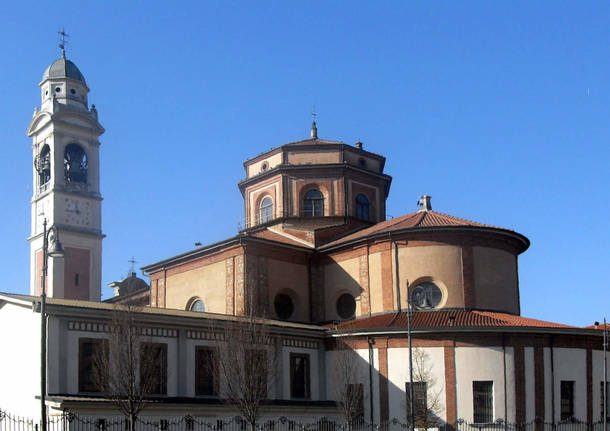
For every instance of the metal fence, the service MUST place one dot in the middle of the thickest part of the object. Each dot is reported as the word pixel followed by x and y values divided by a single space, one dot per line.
pixel 73 422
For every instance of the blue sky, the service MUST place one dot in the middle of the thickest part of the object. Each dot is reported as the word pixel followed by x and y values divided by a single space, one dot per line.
pixel 498 110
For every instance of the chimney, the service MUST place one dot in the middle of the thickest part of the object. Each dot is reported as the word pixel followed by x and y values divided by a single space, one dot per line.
pixel 359 145
pixel 314 130
pixel 424 203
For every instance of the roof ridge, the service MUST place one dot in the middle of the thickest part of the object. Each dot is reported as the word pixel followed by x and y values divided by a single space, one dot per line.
pixel 468 221
pixel 509 318
pixel 421 219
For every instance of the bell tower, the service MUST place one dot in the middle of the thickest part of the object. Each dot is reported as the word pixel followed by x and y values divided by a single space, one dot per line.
pixel 66 184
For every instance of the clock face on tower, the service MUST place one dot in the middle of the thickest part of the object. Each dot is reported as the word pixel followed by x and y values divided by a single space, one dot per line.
pixel 77 212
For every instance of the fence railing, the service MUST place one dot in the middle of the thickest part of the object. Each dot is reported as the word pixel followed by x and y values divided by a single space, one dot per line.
pixel 74 422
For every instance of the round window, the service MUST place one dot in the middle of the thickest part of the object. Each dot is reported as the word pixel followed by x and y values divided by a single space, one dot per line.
pixel 198 306
pixel 264 166
pixel 283 306
pixel 72 91
pixel 426 295
pixel 346 306
pixel 57 89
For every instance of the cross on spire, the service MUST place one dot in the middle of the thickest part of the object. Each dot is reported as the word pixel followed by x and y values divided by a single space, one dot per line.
pixel 314 128
pixel 62 41
pixel 132 263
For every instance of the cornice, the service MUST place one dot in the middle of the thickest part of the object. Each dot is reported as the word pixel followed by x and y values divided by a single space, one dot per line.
pixel 291 168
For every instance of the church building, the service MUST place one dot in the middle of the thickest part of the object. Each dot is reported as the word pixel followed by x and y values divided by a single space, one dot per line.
pixel 320 264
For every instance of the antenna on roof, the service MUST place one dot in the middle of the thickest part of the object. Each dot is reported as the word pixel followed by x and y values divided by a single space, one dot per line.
pixel 62 41
pixel 314 128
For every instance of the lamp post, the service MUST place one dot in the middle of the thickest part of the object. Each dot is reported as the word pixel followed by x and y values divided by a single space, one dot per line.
pixel 411 403
pixel 55 251
pixel 605 386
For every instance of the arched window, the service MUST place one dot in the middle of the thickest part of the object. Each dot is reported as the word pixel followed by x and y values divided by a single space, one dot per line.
pixel 198 306
pixel 75 164
pixel 43 166
pixel 313 204
pixel 362 207
pixel 266 211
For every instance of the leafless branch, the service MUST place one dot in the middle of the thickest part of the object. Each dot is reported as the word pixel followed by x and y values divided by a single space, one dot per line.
pixel 127 371
pixel 246 364
pixel 349 393
pixel 425 412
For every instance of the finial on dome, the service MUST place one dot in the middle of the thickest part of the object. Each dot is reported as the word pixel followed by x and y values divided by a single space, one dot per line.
pixel 314 128
pixel 62 42
pixel 425 203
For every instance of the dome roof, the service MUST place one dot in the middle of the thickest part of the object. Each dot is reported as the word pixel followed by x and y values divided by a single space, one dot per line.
pixel 63 68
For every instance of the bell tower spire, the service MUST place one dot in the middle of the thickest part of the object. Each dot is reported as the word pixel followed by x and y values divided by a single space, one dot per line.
pixel 66 186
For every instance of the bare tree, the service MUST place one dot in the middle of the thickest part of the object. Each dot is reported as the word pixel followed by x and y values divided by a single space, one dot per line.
pixel 128 369
pixel 349 393
pixel 246 364
pixel 427 398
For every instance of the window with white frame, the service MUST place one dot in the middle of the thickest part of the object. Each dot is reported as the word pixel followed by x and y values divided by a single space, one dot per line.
pixel 266 210
pixel 567 399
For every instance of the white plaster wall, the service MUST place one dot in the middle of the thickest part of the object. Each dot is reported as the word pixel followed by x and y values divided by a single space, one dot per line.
pixel 597 357
pixel 548 394
pixel 398 376
pixel 484 364
pixel 20 360
pixel 530 384
pixel 363 377
pixel 571 364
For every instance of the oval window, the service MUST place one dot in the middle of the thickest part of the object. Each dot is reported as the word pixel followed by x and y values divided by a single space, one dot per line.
pixel 426 295
pixel 346 306
pixel 283 305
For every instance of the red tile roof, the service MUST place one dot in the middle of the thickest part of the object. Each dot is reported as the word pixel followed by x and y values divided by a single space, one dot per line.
pixel 276 237
pixel 442 319
pixel 312 141
pixel 598 327
pixel 419 219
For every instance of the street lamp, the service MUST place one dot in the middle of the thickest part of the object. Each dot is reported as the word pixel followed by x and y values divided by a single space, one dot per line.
pixel 605 386
pixel 409 311
pixel 56 250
